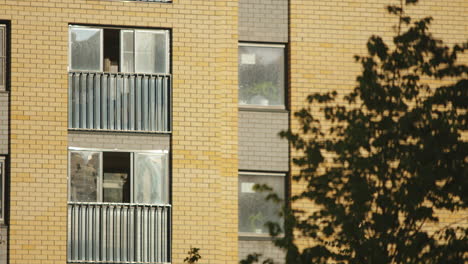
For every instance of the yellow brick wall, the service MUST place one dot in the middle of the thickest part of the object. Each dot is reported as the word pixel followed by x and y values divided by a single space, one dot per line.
pixel 204 142
pixel 325 35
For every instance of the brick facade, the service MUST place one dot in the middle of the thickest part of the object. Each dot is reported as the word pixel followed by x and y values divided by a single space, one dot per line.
pixel 325 36
pixel 264 247
pixel 204 139
pixel 211 139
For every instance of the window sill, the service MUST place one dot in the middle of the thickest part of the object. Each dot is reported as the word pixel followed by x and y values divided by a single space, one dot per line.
pixel 256 237
pixel 254 108
pixel 119 131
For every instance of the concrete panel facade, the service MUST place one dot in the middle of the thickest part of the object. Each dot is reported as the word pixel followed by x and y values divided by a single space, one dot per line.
pixel 263 20
pixel 260 147
pixel 120 141
pixel 264 247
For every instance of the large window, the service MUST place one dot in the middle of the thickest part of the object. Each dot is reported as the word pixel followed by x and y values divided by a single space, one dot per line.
pixel 254 210
pixel 261 75
pixel 118 209
pixel 2 189
pixel 119 177
pixel 118 50
pixel 3 51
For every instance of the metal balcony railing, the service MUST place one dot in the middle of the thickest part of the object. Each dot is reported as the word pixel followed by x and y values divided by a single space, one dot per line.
pixel 119 101
pixel 118 233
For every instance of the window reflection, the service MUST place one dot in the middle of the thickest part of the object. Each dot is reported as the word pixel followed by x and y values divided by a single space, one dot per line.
pixel 84 171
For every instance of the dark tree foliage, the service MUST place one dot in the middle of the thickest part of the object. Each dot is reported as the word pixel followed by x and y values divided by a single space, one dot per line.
pixel 398 157
pixel 193 256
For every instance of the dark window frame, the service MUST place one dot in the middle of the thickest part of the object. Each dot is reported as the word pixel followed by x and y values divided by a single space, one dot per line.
pixel 3 171
pixel 102 48
pixel 100 177
pixel 5 55
pixel 285 100
pixel 284 175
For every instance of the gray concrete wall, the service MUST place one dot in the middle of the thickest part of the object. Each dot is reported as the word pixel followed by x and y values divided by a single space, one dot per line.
pixel 124 141
pixel 263 20
pixel 260 147
pixel 3 122
pixel 264 247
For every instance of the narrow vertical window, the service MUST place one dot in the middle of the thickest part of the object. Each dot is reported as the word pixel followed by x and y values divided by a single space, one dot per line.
pixel 116 177
pixel 151 183
pixel 127 60
pixel 2 189
pixel 2 57
pixel 85 171
pixel 111 50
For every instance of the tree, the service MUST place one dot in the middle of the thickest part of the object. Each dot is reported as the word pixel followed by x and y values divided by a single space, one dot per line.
pixel 398 157
pixel 193 256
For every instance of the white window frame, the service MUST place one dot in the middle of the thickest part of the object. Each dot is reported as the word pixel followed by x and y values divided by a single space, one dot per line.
pixel 285 95
pixel 164 31
pixel 99 185
pixel 264 174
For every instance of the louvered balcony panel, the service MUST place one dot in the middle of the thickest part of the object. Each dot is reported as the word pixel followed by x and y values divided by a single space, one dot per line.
pixel 116 101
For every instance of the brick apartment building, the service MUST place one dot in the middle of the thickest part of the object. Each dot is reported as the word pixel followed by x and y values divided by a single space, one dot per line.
pixel 131 131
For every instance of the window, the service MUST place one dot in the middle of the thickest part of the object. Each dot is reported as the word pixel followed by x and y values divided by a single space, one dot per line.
pixel 119 177
pixel 3 51
pixel 119 50
pixel 118 209
pixel 119 79
pixel 261 75
pixel 254 210
pixel 2 189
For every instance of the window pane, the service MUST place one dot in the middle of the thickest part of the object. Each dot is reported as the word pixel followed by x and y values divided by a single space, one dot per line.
pixel 261 76
pixel 150 53
pixel 2 56
pixel 85 169
pixel 2 40
pixel 111 50
pixel 2 176
pixel 127 60
pixel 2 72
pixel 151 180
pixel 116 180
pixel 254 210
pixel 85 49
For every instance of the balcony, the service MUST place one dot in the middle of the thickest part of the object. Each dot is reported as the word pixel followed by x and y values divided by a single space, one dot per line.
pixel 119 101
pixel 118 233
